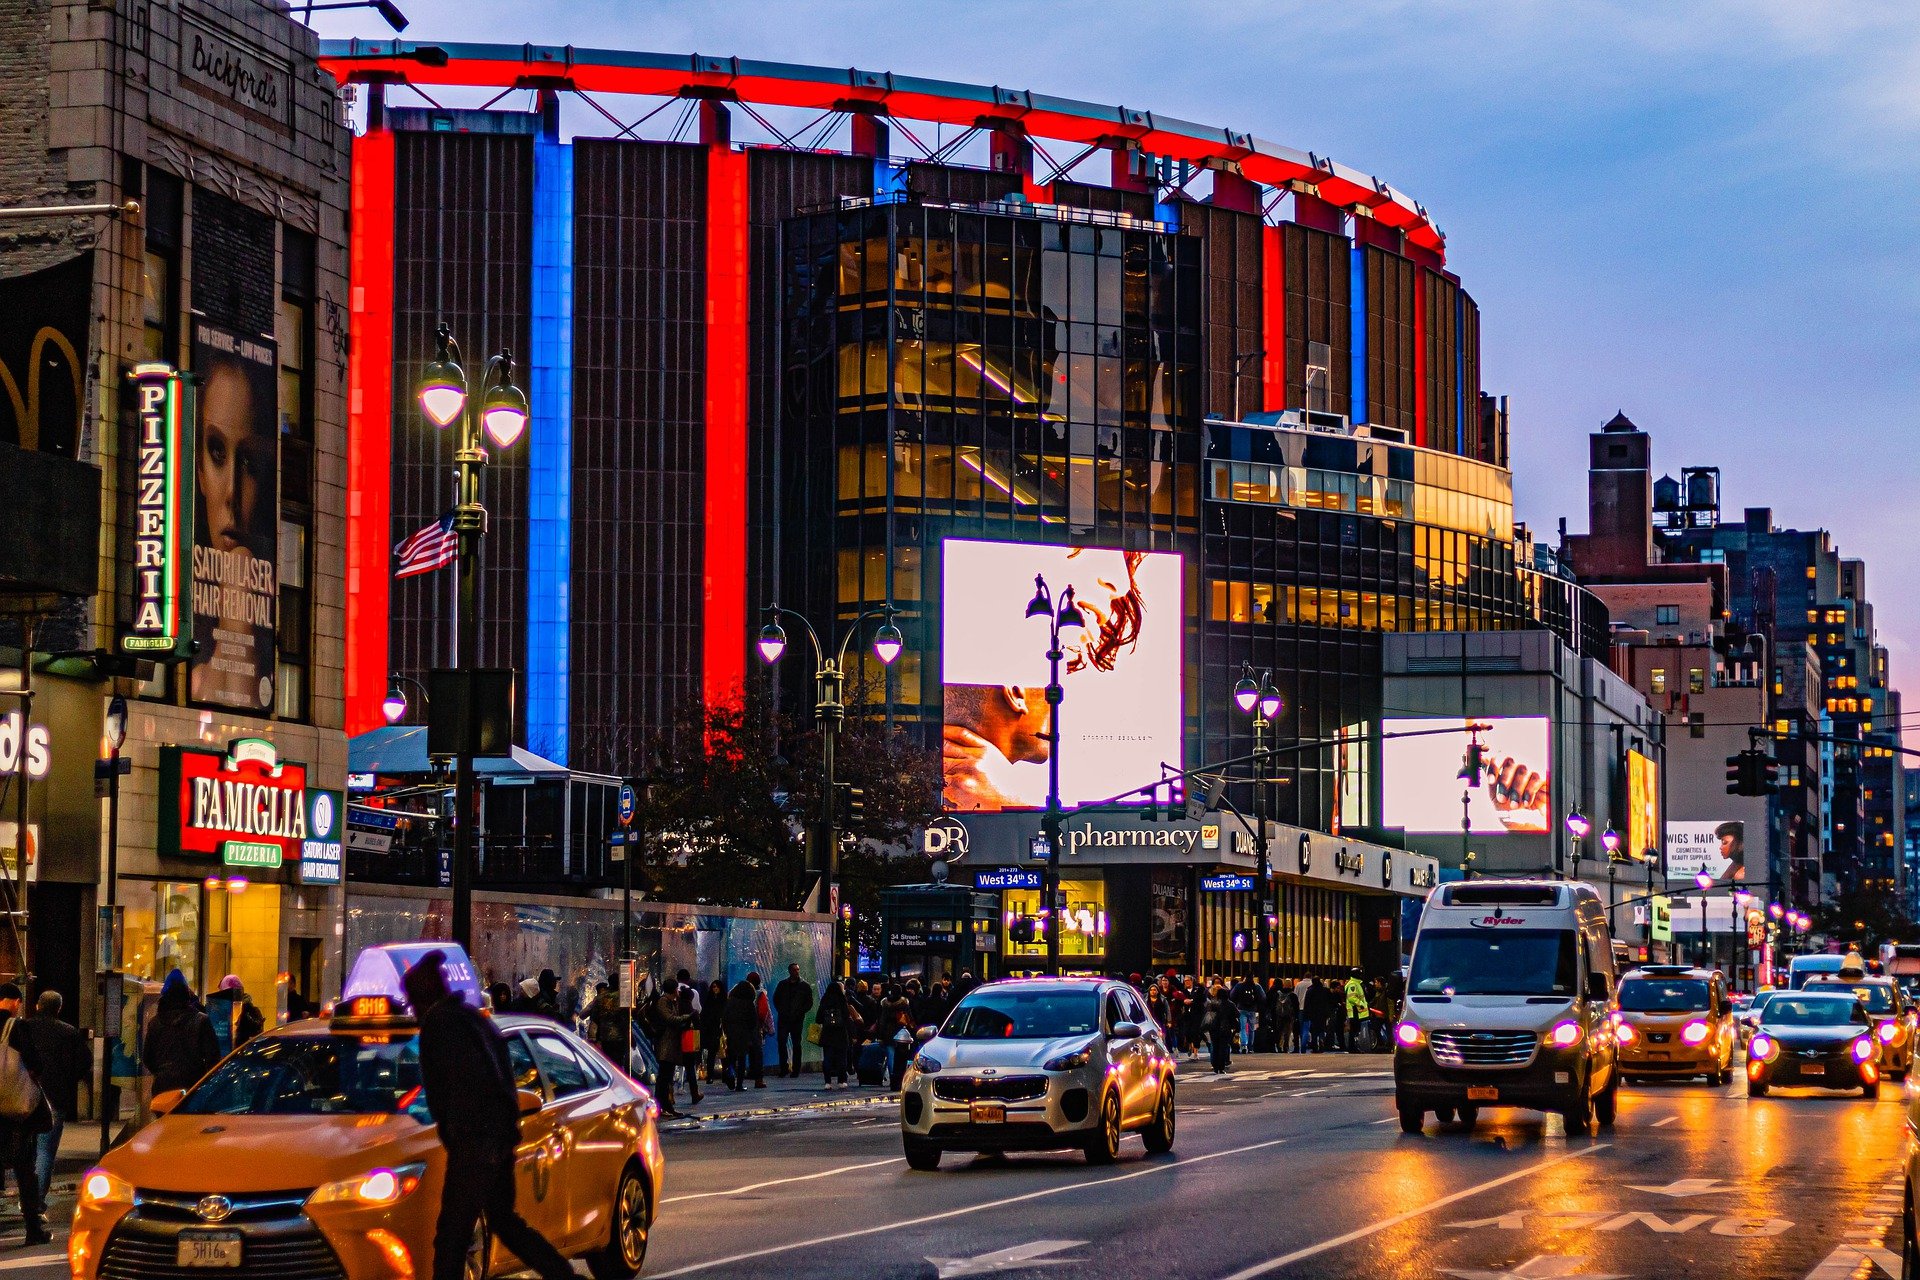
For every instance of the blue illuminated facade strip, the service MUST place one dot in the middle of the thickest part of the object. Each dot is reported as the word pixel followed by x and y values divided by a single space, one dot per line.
pixel 550 450
pixel 1357 313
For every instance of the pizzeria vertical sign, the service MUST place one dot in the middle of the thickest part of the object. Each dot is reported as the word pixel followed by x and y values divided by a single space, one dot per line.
pixel 161 626
pixel 245 805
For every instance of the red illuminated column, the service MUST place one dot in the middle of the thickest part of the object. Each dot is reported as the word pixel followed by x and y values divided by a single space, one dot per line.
pixel 1231 191
pixel 369 429
pixel 1273 319
pixel 724 635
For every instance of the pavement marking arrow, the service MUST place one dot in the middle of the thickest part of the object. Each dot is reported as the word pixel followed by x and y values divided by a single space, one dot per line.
pixel 1689 1187
pixel 1018 1258
pixel 1543 1268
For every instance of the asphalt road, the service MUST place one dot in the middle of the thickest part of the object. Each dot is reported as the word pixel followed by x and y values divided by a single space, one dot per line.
pixel 1292 1168
pixel 1308 1175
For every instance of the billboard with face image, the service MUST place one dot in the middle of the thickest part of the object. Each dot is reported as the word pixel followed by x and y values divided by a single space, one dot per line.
pixel 1120 713
pixel 1422 787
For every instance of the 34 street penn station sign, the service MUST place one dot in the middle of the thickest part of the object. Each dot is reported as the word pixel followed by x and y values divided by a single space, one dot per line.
pixel 246 806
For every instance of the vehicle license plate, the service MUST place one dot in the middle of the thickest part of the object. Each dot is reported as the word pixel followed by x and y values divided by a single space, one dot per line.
pixel 1482 1093
pixel 989 1113
pixel 1658 1055
pixel 1813 1068
pixel 208 1249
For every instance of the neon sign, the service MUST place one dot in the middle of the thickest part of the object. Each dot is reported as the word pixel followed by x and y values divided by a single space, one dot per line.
pixel 162 513
pixel 245 805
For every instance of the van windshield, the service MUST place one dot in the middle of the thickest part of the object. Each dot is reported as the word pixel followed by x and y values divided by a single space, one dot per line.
pixel 1518 962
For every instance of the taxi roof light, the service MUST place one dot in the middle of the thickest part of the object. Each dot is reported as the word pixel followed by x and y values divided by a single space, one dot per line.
pixel 375 995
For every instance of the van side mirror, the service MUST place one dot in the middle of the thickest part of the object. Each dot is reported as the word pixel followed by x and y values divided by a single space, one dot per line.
pixel 1598 986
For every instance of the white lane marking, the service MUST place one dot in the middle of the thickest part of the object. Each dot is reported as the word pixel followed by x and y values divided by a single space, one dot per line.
pixel 1844 1261
pixel 44 1260
pixel 1018 1258
pixel 1361 1233
pixel 1542 1268
pixel 778 1182
pixel 1688 1187
pixel 1664 1122
pixel 1388 1120
pixel 964 1210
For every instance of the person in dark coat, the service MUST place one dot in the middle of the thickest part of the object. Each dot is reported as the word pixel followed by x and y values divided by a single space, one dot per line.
pixel 713 1032
pixel 470 1093
pixel 546 999
pixel 236 1019
pixel 673 1016
pixel 17 1135
pixel 740 1020
pixel 791 1001
pixel 1286 1018
pixel 180 1045
pixel 1193 1017
pixel 64 1062
pixel 1322 1010
pixel 836 1026
pixel 1220 1022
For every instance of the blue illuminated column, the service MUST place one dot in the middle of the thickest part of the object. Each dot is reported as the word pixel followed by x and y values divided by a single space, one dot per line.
pixel 550 470
pixel 1357 313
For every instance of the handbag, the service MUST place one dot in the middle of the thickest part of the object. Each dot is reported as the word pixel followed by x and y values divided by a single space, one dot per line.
pixel 690 1040
pixel 20 1094
pixel 813 1033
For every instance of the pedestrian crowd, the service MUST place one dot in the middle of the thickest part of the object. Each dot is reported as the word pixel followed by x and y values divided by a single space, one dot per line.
pixel 1315 1013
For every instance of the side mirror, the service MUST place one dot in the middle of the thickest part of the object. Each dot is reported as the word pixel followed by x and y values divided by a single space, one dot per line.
pixel 166 1100
pixel 925 1034
pixel 1124 1031
pixel 1598 987
pixel 528 1100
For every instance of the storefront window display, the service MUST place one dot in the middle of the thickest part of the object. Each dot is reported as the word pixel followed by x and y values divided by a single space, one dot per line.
pixel 161 929
pixel 1085 926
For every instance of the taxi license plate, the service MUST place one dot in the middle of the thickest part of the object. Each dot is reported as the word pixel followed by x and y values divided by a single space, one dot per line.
pixel 1482 1093
pixel 1813 1068
pixel 208 1249
pixel 989 1113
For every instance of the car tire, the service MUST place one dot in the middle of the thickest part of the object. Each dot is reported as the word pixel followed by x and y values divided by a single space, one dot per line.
pixel 1870 1090
pixel 1726 1075
pixel 1909 1246
pixel 1412 1119
pixel 1756 1088
pixel 1443 1114
pixel 1579 1116
pixel 1607 1105
pixel 923 1156
pixel 625 1251
pixel 1469 1117
pixel 1158 1135
pixel 1103 1147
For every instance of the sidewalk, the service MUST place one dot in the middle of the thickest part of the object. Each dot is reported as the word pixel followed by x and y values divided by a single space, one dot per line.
pixel 807 1093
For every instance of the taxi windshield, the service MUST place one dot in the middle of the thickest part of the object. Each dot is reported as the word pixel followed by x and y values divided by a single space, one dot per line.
pixel 1024 1015
pixel 1810 1011
pixel 1876 996
pixel 1661 995
pixel 313 1075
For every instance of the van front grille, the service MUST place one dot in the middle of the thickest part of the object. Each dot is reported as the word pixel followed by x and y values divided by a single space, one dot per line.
pixel 1483 1048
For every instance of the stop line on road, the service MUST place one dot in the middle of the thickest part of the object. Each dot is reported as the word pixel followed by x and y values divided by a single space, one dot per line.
pixel 1548 1267
pixel 1018 1258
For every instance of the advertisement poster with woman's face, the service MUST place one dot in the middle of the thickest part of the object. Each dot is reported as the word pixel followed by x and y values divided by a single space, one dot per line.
pixel 1121 710
pixel 236 473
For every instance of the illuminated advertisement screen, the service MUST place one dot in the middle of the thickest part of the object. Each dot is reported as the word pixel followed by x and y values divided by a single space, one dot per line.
pixel 1643 807
pixel 1422 784
pixel 1120 713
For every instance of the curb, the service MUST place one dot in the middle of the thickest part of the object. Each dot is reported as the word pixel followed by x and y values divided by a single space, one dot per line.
pixel 692 1121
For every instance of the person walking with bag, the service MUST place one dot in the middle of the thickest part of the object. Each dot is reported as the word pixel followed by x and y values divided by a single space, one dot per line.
pixel 180 1045
pixel 64 1063
pixel 469 1090
pixel 24 1113
pixel 834 1021
pixel 791 1001
pixel 673 1013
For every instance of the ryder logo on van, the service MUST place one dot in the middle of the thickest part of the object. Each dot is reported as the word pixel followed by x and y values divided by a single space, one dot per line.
pixel 1497 922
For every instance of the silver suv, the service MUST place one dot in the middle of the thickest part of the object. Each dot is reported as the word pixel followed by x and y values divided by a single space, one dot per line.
pixel 1039 1064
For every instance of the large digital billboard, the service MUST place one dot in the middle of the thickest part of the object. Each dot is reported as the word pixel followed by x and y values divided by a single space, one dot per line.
pixel 1717 848
pixel 1643 807
pixel 1421 783
pixel 1120 714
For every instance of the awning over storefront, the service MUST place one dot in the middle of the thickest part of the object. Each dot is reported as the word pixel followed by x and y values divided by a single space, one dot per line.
pixel 401 750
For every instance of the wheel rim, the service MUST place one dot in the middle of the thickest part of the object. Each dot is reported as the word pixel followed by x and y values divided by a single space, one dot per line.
pixel 1166 1101
pixel 633 1222
pixel 1110 1121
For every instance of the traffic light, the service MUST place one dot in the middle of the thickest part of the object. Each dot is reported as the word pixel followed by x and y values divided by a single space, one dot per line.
pixel 1021 929
pixel 1472 763
pixel 1151 812
pixel 853 802
pixel 1769 775
pixel 1737 774
pixel 1752 773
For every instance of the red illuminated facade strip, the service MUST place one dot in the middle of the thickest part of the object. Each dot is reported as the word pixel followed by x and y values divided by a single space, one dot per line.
pixel 1273 319
pixel 908 98
pixel 724 635
pixel 369 429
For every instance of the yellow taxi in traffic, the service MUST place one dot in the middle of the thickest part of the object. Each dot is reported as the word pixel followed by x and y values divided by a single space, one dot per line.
pixel 1673 1021
pixel 308 1154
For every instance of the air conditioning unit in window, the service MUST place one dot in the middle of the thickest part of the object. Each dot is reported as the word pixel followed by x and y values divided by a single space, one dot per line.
pixel 1329 424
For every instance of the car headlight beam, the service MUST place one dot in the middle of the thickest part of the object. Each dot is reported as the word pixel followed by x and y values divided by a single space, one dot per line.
pixel 375 1187
pixel 101 1187
pixel 1763 1047
pixel 926 1064
pixel 1408 1035
pixel 1863 1048
pixel 1694 1032
pixel 1565 1035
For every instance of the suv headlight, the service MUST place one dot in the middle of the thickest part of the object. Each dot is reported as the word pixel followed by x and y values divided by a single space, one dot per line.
pixel 101 1187
pixel 1069 1061
pixel 926 1065
pixel 1694 1032
pixel 381 1186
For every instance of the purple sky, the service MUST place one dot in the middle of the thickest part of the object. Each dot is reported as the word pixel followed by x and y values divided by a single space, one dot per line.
pixel 1702 214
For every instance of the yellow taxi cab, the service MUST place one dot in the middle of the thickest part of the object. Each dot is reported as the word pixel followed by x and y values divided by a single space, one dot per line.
pixel 1675 1021
pixel 308 1154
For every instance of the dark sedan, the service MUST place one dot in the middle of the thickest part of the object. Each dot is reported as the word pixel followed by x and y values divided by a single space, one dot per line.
pixel 1813 1039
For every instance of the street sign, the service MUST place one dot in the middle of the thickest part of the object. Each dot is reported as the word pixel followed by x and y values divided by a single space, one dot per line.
pixel 1037 848
pixel 1226 883
pixel 626 804
pixel 1006 878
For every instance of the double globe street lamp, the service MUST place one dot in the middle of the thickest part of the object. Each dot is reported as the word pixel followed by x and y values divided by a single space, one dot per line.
pixel 1065 623
pixel 1259 699
pixel 503 417
pixel 829 678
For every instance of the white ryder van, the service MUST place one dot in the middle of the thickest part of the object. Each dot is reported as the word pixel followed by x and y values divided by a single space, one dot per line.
pixel 1507 1005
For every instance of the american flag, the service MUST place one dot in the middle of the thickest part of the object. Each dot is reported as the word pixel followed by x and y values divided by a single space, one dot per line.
pixel 428 549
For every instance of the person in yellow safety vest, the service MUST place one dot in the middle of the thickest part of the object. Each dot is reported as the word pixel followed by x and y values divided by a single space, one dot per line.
pixel 1356 1010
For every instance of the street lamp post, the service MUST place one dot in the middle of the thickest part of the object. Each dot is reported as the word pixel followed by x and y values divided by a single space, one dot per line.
pixel 108 1102
pixel 1262 701
pixel 1705 882
pixel 1579 827
pixel 829 677
pixel 1065 620
pixel 394 706
pixel 1610 840
pixel 442 393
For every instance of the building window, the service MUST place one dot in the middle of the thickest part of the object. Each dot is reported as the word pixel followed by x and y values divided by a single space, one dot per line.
pixel 1659 677
pixel 1666 615
pixel 294 337
pixel 1696 724
pixel 1696 680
